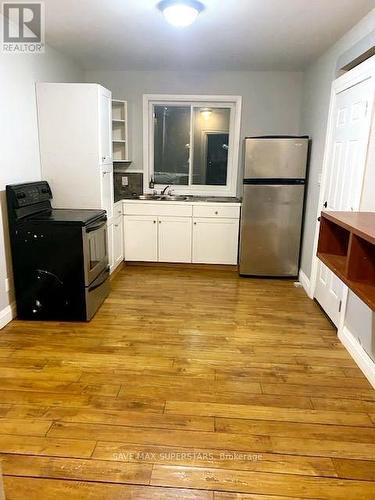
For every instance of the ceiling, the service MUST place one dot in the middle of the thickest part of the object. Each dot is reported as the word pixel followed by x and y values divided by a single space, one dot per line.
pixel 228 35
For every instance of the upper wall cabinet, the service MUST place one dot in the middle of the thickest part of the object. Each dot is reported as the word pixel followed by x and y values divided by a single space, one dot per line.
pixel 75 136
pixel 105 121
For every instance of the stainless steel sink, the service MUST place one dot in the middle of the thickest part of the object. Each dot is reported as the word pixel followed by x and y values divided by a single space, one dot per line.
pixel 168 197
pixel 163 197
pixel 149 197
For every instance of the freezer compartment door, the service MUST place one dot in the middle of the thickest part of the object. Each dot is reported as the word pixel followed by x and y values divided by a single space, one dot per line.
pixel 276 158
pixel 271 230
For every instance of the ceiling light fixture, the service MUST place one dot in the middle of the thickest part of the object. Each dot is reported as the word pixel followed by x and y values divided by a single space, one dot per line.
pixel 180 13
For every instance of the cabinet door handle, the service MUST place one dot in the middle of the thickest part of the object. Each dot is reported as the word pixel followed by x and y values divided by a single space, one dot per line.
pixel 154 221
pixel 216 213
pixel 195 223
pixel 159 221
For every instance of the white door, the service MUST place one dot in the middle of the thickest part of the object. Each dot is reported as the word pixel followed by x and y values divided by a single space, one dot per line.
pixel 118 251
pixel 174 239
pixel 105 125
pixel 215 241
pixel 106 188
pixel 141 238
pixel 345 162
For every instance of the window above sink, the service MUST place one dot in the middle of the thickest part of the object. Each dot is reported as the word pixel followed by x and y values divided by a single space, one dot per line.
pixel 191 143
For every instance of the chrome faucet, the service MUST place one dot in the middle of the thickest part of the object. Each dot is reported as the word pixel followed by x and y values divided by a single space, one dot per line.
pixel 164 190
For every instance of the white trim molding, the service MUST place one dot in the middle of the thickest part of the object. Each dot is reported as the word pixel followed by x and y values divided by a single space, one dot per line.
pixel 233 102
pixel 363 360
pixel 7 314
pixel 305 282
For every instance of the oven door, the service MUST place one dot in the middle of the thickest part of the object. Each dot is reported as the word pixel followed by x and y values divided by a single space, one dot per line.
pixel 95 249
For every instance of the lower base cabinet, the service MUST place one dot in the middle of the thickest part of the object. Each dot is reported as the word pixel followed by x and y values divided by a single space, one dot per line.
pixel 174 239
pixel 157 239
pixel 215 241
pixel 208 239
pixel 115 243
pixel 141 238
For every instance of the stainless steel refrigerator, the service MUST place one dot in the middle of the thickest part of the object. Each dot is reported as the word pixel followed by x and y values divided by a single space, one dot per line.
pixel 272 208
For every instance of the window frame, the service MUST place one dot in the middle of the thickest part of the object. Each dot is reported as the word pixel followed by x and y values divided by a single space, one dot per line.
pixel 219 101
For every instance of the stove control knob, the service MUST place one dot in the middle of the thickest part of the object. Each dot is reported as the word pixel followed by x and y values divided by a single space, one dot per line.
pixel 21 195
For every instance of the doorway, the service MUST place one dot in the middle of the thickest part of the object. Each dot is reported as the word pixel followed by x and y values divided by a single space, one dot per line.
pixel 347 140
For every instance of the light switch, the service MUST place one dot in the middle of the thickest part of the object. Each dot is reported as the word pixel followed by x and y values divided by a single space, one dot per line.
pixel 125 180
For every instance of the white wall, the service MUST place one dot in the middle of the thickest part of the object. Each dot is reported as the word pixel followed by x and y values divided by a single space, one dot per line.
pixel 271 100
pixel 18 132
pixel 359 319
pixel 314 114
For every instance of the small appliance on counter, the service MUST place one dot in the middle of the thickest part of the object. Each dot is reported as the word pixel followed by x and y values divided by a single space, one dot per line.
pixel 60 260
pixel 272 206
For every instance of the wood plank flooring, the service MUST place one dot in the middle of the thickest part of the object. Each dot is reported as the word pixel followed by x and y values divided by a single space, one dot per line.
pixel 187 384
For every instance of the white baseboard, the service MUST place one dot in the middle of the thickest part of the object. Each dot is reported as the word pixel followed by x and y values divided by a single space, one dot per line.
pixel 7 314
pixel 305 282
pixel 363 360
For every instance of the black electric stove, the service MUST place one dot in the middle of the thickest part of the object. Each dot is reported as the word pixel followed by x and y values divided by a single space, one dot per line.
pixel 68 216
pixel 60 259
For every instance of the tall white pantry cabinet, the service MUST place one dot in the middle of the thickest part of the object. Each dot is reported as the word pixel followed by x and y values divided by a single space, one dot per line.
pixel 75 137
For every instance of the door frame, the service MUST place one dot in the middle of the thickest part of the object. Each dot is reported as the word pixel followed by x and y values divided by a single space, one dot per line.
pixel 360 73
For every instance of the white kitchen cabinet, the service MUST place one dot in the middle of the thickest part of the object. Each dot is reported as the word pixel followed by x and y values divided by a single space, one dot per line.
pixel 215 241
pixel 115 238
pixel 118 239
pixel 174 239
pixel 174 232
pixel 111 260
pixel 106 188
pixel 141 238
pixel 75 139
pixel 105 125
pixel 120 145
pixel 115 243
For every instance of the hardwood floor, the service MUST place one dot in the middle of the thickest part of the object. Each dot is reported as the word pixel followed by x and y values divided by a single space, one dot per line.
pixel 188 384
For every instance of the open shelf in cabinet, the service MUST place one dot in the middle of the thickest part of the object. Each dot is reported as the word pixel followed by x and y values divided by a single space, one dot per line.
pixel 347 247
pixel 119 130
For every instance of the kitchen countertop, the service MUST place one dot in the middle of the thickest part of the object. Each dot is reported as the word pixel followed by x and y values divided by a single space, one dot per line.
pixel 190 199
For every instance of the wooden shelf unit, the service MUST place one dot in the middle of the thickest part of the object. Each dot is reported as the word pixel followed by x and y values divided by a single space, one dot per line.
pixel 120 130
pixel 347 247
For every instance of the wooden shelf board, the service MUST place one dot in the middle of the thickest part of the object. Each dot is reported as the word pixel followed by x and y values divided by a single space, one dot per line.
pixel 336 263
pixel 360 223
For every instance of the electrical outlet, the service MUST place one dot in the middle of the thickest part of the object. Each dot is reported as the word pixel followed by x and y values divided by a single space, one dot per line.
pixel 125 180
